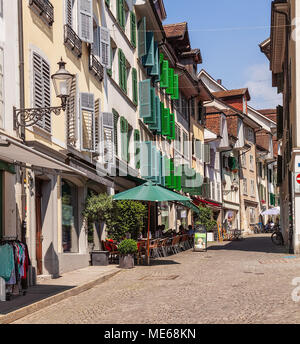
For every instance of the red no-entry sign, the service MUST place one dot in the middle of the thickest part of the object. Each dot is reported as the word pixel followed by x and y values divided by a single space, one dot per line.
pixel 298 179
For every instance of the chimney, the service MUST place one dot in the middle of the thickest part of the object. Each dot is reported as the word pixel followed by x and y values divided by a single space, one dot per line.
pixel 219 81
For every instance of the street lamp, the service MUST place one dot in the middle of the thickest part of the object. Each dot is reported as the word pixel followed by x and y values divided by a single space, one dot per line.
pixel 62 81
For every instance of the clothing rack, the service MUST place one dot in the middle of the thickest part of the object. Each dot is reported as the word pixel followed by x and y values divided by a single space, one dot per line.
pixel 20 267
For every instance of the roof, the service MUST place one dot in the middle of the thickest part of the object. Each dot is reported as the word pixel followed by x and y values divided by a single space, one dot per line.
pixel 176 30
pixel 233 93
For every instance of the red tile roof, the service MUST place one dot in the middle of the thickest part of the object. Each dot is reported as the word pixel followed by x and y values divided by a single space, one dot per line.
pixel 232 93
pixel 175 30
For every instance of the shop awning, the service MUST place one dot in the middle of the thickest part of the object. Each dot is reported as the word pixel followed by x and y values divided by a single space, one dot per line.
pixel 199 201
pixel 13 151
pixel 192 206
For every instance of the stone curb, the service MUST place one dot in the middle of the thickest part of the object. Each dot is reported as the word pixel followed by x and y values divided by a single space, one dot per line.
pixel 21 313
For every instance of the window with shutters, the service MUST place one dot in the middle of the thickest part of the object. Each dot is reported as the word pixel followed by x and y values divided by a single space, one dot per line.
pixel 124 139
pixel 41 88
pixel 251 163
pixel 142 39
pixel 122 13
pixel 1 87
pixel 87 122
pixel 71 114
pixel 137 149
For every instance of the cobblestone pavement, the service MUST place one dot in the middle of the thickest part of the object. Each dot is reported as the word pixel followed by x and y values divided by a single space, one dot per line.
pixel 249 281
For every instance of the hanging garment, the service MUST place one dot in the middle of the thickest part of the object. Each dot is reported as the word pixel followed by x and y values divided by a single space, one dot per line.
pixel 7 261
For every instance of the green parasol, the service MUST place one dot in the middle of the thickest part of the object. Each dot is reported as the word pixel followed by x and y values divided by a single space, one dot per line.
pixel 150 192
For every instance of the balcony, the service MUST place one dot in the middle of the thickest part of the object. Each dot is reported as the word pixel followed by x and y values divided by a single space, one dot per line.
pixel 72 41
pixel 96 67
pixel 44 9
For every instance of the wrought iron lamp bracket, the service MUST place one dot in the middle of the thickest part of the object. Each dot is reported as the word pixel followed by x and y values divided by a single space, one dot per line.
pixel 31 116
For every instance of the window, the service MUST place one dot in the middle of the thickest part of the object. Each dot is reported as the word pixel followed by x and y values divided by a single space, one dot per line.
pixel 250 135
pixel 116 119
pixel 245 188
pixel 126 132
pixel 251 163
pixel 252 188
pixel 1 87
pixel 69 200
pixel 41 88
pixel 252 215
pixel 243 160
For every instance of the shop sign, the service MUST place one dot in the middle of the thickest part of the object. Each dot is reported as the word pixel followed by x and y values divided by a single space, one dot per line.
pixel 183 213
pixel 200 240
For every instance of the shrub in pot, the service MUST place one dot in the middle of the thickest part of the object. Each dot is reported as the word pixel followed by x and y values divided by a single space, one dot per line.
pixel 127 248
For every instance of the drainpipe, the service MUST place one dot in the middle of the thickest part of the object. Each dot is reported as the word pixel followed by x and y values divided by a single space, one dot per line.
pixel 22 106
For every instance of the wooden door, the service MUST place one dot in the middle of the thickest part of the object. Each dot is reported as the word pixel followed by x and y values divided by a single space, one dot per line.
pixel 38 214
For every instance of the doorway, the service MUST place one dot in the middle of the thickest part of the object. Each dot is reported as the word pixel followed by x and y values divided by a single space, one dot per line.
pixel 39 236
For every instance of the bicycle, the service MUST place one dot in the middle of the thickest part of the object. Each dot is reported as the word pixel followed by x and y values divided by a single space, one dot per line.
pixel 277 237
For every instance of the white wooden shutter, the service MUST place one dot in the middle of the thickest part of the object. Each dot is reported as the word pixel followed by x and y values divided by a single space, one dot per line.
pixel 87 122
pixel 105 47
pixel 71 113
pixel 107 137
pixel 41 88
pixel 69 12
pixel 85 20
pixel 98 126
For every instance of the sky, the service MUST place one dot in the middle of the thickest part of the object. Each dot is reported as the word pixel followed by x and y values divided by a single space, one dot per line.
pixel 228 33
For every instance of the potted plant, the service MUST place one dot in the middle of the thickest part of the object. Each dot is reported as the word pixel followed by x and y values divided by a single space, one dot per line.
pixel 127 248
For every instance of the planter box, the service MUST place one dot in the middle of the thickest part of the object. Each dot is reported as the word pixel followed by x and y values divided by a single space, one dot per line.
pixel 126 262
pixel 210 237
pixel 100 258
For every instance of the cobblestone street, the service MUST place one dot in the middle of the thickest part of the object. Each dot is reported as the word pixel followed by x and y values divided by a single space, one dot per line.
pixel 233 282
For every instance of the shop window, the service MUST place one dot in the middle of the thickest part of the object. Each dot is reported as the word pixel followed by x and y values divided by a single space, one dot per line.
pixel 70 233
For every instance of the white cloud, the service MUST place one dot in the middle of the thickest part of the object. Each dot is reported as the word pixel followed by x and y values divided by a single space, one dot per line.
pixel 263 95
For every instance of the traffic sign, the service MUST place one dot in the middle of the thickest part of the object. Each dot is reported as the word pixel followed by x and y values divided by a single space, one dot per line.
pixel 298 178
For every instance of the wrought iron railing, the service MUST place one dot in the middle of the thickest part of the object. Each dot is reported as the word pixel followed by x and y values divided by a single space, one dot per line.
pixel 96 67
pixel 72 40
pixel 44 8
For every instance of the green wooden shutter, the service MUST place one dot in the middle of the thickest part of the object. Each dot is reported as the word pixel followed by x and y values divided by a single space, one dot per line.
pixel 166 122
pixel 157 125
pixel 137 149
pixel 164 74
pixel 152 119
pixel 122 71
pixel 155 69
pixel 142 37
pixel 124 138
pixel 145 98
pixel 148 59
pixel 121 13
pixel 175 95
pixel 133 28
pixel 116 118
pixel 172 127
pixel 134 86
pixel 170 89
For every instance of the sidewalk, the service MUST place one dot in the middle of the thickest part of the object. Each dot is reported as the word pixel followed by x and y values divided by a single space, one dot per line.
pixel 49 291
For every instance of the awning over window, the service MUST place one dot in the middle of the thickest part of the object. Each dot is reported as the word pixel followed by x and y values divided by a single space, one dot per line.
pixel 13 151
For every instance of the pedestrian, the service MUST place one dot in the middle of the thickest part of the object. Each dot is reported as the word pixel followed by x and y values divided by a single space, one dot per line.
pixel 190 230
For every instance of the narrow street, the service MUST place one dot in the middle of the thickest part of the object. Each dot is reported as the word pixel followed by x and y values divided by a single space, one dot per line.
pixel 249 281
